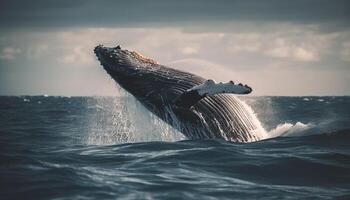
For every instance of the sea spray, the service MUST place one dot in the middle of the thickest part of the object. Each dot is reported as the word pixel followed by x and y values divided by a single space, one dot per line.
pixel 125 120
pixel 289 129
pixel 259 131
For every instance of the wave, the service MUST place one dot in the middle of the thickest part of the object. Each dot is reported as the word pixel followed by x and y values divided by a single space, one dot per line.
pixel 289 129
pixel 309 132
pixel 324 126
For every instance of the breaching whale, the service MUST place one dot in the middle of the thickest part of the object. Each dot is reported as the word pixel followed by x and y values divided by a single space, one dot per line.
pixel 199 108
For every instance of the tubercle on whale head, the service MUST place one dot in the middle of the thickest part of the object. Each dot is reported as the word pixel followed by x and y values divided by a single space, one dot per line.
pixel 101 51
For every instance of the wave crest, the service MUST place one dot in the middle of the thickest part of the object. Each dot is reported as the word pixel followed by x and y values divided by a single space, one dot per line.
pixel 289 129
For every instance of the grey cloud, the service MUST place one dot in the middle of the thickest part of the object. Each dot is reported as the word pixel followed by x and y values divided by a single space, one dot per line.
pixel 107 13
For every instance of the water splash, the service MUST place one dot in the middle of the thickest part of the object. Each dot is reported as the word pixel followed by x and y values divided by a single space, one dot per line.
pixel 122 119
pixel 288 129
pixel 281 130
pixel 260 132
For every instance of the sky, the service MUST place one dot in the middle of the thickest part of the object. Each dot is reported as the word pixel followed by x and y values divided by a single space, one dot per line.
pixel 288 48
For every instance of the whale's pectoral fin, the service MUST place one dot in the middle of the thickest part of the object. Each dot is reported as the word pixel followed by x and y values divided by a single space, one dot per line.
pixel 209 88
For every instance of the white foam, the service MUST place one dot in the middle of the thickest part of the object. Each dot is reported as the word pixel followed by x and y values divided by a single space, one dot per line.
pixel 283 129
pixel 288 129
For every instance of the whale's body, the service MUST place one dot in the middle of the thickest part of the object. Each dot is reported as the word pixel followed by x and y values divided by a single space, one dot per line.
pixel 161 90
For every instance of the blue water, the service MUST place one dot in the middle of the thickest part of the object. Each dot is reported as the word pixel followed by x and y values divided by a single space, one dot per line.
pixel 99 148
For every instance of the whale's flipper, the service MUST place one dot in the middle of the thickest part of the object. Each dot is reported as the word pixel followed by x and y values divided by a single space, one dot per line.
pixel 209 88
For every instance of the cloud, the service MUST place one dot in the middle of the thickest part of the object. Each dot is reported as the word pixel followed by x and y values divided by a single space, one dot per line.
pixel 107 13
pixel 37 51
pixel 78 56
pixel 64 61
pixel 189 50
pixel 345 52
pixel 293 52
pixel 300 44
pixel 245 42
pixel 168 44
pixel 204 68
pixel 9 53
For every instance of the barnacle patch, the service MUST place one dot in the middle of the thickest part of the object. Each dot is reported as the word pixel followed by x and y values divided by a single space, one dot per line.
pixel 143 58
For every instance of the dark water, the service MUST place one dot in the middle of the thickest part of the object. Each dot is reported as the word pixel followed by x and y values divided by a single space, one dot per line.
pixel 88 148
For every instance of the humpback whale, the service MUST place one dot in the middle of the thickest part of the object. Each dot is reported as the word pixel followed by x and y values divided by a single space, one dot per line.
pixel 197 107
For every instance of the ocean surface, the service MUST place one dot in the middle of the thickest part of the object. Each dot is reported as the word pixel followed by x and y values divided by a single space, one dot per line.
pixel 111 147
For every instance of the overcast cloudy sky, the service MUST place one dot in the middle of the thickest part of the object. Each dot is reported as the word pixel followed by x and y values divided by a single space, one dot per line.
pixel 278 47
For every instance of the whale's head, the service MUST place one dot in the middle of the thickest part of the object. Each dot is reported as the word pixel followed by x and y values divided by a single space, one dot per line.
pixel 132 71
pixel 121 62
